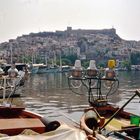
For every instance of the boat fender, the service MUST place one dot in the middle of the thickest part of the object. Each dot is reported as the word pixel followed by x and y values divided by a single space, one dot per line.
pixel 91 120
pixel 50 124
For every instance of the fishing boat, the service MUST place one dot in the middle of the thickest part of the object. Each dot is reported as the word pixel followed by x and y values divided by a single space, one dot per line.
pixel 104 120
pixel 107 121
pixel 19 67
pixel 65 68
pixel 41 68
pixel 19 123
pixel 34 68
pixel 11 81
pixel 16 119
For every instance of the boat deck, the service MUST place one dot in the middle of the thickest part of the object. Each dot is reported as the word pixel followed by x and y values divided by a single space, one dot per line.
pixel 117 124
pixel 16 119
pixel 15 126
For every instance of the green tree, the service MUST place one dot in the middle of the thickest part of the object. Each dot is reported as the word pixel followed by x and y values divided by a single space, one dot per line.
pixel 126 64
pixel 135 58
pixel 70 59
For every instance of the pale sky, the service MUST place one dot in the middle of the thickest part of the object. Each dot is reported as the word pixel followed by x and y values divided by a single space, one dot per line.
pixel 18 17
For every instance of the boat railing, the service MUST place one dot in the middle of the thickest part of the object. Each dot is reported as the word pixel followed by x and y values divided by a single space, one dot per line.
pixel 93 79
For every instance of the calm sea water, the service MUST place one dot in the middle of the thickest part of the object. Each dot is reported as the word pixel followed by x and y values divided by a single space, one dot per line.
pixel 49 95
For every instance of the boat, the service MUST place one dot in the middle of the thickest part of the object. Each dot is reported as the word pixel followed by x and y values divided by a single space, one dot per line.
pixel 45 68
pixel 16 119
pixel 52 69
pixel 109 122
pixel 65 68
pixel 34 68
pixel 9 84
pixel 19 67
pixel 41 68
pixel 103 120
pixel 18 123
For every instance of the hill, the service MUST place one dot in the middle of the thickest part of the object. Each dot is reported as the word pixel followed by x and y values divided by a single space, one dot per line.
pixel 85 44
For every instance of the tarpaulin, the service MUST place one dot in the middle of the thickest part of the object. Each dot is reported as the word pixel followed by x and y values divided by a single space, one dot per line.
pixel 64 132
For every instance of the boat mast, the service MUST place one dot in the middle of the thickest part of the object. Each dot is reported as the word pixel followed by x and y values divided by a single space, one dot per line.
pixel 60 62
pixel 11 49
pixel 46 59
pixel 54 59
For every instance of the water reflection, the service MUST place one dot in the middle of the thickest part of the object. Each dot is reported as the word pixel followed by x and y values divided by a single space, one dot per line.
pixel 129 80
pixel 49 94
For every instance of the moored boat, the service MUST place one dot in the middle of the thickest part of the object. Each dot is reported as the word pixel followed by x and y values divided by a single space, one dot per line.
pixel 19 66
pixel 53 69
pixel 111 122
pixel 41 68
pixel 34 68
pixel 16 119
pixel 104 120
pixel 65 68
pixel 11 82
pixel 18 123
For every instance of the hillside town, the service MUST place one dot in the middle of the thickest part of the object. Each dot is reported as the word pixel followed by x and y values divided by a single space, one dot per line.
pixel 48 47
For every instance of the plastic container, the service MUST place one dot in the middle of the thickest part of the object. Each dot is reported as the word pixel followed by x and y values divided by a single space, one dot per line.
pixel 135 120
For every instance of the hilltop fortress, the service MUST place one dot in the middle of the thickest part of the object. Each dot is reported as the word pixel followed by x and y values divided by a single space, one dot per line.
pixel 84 31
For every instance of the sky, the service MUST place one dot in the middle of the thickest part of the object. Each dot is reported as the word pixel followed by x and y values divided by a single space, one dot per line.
pixel 18 17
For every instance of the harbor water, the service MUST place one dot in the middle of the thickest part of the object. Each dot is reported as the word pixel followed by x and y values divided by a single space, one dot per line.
pixel 49 95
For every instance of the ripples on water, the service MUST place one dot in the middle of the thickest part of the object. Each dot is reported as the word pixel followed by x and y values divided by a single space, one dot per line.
pixel 48 94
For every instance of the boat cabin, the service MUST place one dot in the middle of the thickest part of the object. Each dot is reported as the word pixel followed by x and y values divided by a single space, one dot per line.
pixel 19 67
